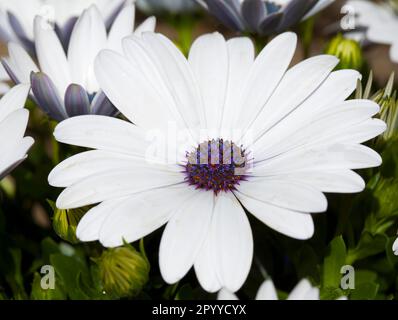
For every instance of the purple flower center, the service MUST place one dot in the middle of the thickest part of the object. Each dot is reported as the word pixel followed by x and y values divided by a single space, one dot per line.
pixel 216 165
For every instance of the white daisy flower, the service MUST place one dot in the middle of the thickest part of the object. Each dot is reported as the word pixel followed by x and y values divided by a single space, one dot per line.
pixel 380 23
pixel 305 139
pixel 17 17
pixel 302 291
pixel 171 6
pixel 13 122
pixel 65 84
pixel 395 247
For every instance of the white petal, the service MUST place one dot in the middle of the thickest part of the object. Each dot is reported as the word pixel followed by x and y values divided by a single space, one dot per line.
pixel 304 291
pixel 143 213
pixel 122 27
pixel 372 15
pixel 241 57
pixel 130 91
pixel 360 133
pixel 314 294
pixel 395 247
pixel 285 193
pixel 333 91
pixel 233 240
pixel 338 86
pixel 85 164
pixel 14 99
pixel 4 88
pixel 108 7
pixel 104 133
pixel 337 124
pixel 12 129
pixel 51 55
pixel 16 153
pixel 205 266
pixel 148 25
pixel 296 86
pixel 294 224
pixel 139 54
pixel 226 295
pixel 382 33
pixel 20 62
pixel 333 181
pixel 114 184
pixel 267 291
pixel 268 68
pixel 22 148
pixel 90 225
pixel 3 74
pixel 87 39
pixel 184 235
pixel 337 156
pixel 181 82
pixel 209 61
pixel 394 52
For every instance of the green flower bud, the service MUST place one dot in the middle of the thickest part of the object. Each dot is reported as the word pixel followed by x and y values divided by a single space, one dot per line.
pixel 347 50
pixel 387 100
pixel 389 114
pixel 123 271
pixel 65 222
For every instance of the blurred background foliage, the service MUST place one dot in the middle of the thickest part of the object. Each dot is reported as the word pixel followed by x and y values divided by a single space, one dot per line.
pixel 357 230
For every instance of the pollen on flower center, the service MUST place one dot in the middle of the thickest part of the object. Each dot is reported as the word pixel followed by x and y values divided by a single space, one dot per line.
pixel 216 165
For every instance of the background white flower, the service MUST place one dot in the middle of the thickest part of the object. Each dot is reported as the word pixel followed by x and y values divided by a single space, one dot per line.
pixel 302 291
pixel 380 22
pixel 65 84
pixel 13 122
pixel 170 6
pixel 305 141
pixel 395 247
pixel 17 17
pixel 263 17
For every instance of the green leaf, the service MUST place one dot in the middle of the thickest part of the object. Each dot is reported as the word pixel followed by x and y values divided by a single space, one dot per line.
pixel 2 223
pixel 368 245
pixel 389 167
pixel 49 247
pixel 364 291
pixel 365 276
pixel 184 293
pixel 68 270
pixel 38 293
pixel 169 293
pixel 334 260
pixel 15 278
pixel 75 277
pixel 306 263
pixel 366 285
pixel 331 293
pixel 385 193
